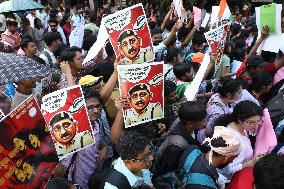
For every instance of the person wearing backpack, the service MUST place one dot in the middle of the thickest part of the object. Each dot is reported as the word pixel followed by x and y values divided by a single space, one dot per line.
pixel 195 170
pixel 51 39
pixel 136 157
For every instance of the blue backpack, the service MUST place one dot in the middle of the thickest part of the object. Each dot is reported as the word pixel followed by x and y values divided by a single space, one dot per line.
pixel 181 178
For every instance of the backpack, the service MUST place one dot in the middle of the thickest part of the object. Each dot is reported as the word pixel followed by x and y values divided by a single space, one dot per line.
pixel 182 177
pixel 105 172
pixel 275 108
pixel 47 55
pixel 168 151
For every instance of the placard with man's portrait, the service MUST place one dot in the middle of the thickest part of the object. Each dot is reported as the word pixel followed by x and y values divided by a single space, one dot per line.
pixel 130 35
pixel 69 125
pixel 27 153
pixel 143 84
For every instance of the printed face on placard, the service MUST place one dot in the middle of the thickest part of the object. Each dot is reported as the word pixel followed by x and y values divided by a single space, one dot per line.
pixel 64 131
pixel 129 35
pixel 66 113
pixel 143 86
pixel 140 99
pixel 130 47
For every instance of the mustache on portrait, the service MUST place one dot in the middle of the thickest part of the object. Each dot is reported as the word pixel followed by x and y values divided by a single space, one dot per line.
pixel 65 134
pixel 139 102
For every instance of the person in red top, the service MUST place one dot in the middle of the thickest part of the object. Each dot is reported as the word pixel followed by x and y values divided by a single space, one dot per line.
pixel 254 63
pixel 267 173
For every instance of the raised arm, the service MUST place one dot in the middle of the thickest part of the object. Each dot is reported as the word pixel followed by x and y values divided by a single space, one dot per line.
pixel 117 126
pixel 109 86
pixel 264 35
pixel 190 35
pixel 166 18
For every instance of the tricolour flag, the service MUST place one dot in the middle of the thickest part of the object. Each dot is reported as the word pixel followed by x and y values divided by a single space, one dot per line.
pixel 224 11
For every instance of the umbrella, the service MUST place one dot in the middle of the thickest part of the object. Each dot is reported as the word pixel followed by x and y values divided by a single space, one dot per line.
pixel 14 67
pixel 19 5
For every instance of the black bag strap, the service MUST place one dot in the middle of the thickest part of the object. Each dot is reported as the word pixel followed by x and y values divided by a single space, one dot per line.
pixel 47 55
pixel 73 159
pixel 117 179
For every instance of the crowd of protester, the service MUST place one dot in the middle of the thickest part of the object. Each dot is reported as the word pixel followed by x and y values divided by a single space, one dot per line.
pixel 206 143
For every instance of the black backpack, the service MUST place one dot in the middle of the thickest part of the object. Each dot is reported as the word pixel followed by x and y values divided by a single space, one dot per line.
pixel 105 172
pixel 275 107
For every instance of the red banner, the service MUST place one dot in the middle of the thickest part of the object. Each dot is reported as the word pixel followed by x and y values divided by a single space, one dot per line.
pixel 27 153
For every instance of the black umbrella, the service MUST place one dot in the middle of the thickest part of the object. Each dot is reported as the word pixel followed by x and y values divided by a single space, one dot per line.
pixel 14 67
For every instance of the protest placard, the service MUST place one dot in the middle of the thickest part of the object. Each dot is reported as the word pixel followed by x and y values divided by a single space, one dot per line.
pixel 66 115
pixel 196 14
pixel 143 84
pixel 192 89
pixel 178 7
pixel 216 39
pixel 77 35
pixel 27 154
pixel 98 45
pixel 129 34
pixel 274 39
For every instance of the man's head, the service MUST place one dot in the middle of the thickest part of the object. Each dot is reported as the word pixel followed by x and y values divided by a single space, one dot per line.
pixel 129 44
pixel 52 39
pixel 94 104
pixel 63 128
pixel 75 9
pixel 27 84
pixel 74 57
pixel 173 56
pixel 29 47
pixel 157 37
pixel 184 72
pixel 53 23
pixel 224 147
pixel 198 42
pixel 192 115
pixel 139 96
pixel 169 91
pixel 262 83
pixel 135 150
pixel 268 172
pixel 255 64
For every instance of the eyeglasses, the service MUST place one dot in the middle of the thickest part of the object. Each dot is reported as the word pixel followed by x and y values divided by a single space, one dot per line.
pixel 65 125
pixel 252 123
pixel 93 107
pixel 152 152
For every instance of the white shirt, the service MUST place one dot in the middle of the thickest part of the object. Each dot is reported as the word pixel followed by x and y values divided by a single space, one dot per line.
pixel 76 18
pixel 3 22
pixel 132 179
pixel 169 72
pixel 151 112
pixel 31 18
pixel 246 154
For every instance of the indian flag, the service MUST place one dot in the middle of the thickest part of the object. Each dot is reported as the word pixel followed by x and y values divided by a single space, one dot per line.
pixel 224 11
